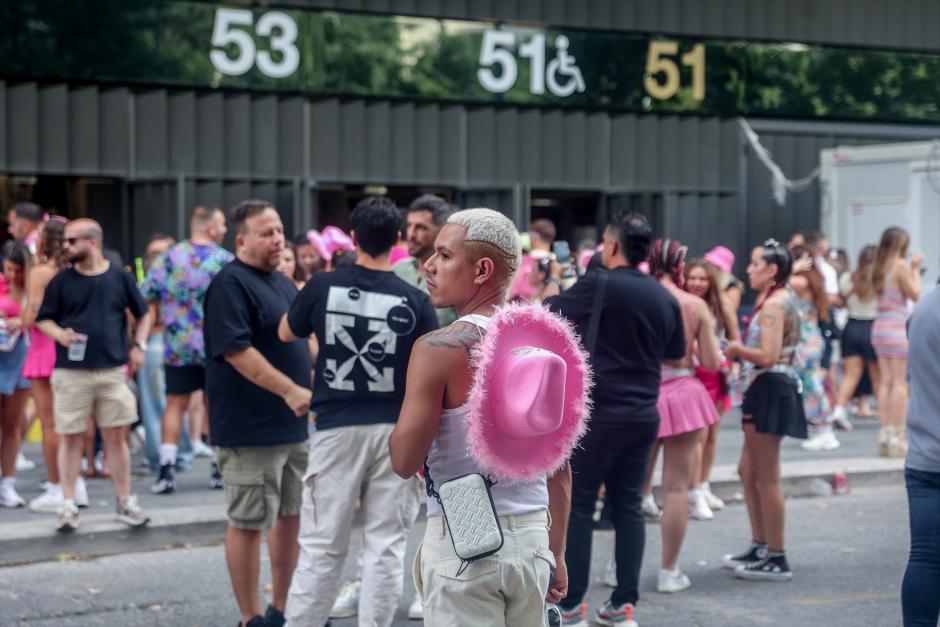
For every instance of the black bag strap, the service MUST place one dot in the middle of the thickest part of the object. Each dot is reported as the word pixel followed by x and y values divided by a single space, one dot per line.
pixel 595 322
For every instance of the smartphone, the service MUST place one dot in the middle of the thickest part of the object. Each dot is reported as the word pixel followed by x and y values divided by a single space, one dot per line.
pixel 562 251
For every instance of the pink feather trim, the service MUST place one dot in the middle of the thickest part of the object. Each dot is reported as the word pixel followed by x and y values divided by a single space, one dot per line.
pixel 578 409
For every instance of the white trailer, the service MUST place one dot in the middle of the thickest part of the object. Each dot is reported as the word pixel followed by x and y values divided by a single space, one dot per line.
pixel 866 189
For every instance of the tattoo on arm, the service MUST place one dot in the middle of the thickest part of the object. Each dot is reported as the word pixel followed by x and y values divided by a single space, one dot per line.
pixel 453 337
pixel 768 320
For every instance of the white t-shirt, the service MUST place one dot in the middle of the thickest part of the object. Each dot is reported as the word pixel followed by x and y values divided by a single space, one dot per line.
pixel 830 276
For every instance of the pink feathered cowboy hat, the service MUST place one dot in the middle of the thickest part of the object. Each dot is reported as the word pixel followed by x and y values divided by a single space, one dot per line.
pixel 721 257
pixel 329 240
pixel 530 399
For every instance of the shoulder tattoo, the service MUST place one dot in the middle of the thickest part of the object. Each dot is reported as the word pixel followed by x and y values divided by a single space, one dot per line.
pixel 454 337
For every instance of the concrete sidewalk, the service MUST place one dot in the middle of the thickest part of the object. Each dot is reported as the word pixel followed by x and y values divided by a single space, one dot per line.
pixel 195 515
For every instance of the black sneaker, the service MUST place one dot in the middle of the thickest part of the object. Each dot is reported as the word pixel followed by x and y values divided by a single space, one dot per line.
pixel 164 483
pixel 257 621
pixel 215 480
pixel 274 617
pixel 773 568
pixel 755 553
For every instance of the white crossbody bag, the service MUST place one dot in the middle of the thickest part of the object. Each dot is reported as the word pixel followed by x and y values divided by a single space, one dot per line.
pixel 470 515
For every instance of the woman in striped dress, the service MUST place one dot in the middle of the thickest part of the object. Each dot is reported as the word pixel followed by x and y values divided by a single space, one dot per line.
pixel 896 282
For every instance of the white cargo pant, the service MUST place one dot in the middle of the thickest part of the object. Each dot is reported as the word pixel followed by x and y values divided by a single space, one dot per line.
pixel 348 466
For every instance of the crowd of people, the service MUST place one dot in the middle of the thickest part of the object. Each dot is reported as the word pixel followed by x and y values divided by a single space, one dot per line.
pixel 337 376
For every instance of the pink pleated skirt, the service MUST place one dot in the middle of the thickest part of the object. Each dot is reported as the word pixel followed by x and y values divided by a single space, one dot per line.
pixel 684 405
pixel 40 360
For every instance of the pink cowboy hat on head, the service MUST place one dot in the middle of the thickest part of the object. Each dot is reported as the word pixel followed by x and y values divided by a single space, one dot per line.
pixel 721 257
pixel 314 237
pixel 530 399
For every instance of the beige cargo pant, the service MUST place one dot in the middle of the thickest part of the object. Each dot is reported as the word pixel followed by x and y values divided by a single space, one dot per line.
pixel 504 590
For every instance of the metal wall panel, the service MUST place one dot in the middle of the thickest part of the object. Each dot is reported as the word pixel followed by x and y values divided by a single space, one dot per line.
pixel 150 131
pixel 83 129
pixel 53 130
pixel 210 133
pixel 183 149
pixel 22 127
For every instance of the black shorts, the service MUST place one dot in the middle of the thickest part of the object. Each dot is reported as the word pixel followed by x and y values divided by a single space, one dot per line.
pixel 856 340
pixel 774 405
pixel 185 379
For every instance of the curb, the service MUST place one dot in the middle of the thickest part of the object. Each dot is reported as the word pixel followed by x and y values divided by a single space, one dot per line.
pixel 99 535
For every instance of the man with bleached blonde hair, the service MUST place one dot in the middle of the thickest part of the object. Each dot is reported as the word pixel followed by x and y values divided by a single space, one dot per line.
pixel 475 256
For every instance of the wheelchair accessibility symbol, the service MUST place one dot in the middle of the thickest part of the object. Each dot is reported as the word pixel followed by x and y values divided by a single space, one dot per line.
pixel 563 64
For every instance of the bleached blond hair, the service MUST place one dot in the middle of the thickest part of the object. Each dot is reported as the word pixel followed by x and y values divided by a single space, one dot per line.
pixel 494 232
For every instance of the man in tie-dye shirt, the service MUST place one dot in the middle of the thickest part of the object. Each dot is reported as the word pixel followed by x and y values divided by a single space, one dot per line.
pixel 176 284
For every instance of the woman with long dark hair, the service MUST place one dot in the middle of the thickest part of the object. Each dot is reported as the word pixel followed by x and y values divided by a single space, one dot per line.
pixel 685 408
pixel 701 280
pixel 14 389
pixel 810 288
pixel 772 409
pixel 40 360
pixel 896 282
pixel 858 354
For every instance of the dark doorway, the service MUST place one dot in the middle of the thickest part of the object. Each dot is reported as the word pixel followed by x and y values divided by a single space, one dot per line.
pixel 574 214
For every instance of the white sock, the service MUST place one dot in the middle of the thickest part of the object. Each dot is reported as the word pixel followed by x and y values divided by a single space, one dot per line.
pixel 839 411
pixel 704 487
pixel 168 454
pixel 694 493
pixel 8 481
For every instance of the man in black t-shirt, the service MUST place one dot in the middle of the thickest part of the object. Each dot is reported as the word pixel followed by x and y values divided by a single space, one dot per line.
pixel 258 405
pixel 640 327
pixel 83 310
pixel 366 321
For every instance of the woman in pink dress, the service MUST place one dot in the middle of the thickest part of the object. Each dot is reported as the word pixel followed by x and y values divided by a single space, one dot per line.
pixel 40 360
pixel 14 389
pixel 896 283
pixel 685 408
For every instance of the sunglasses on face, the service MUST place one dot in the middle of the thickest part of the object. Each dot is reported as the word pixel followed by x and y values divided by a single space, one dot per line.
pixel 71 241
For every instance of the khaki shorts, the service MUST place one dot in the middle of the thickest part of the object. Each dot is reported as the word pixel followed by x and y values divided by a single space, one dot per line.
pixel 79 393
pixel 262 483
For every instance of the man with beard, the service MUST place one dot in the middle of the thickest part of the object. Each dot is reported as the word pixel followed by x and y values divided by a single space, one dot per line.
pixel 83 310
pixel 424 219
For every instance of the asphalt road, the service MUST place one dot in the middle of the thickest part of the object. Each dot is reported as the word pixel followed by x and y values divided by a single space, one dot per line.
pixel 848 554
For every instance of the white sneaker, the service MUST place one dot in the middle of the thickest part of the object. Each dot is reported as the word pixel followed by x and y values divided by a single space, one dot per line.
pixel 416 609
pixel 81 492
pixel 841 419
pixel 22 463
pixel 347 603
pixel 200 449
pixel 715 503
pixel 68 518
pixel 650 509
pixel 698 506
pixel 610 578
pixel 9 497
pixel 822 441
pixel 49 502
pixel 672 581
